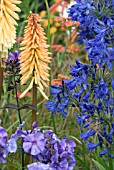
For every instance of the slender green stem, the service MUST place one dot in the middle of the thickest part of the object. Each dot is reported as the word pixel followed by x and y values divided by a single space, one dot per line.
pixel 49 41
pixel 19 116
pixel 84 156
pixel 110 163
pixel 49 36
pixel 1 81
pixel 54 126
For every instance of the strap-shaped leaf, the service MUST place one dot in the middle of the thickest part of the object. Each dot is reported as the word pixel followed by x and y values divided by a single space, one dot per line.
pixel 28 106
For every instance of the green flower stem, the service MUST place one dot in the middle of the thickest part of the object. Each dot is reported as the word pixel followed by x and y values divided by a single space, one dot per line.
pixel 54 126
pixel 84 156
pixel 49 36
pixel 49 42
pixel 19 117
pixel 110 163
pixel 34 102
pixel 1 81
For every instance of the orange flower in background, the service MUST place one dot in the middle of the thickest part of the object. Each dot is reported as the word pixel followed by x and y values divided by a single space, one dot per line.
pixel 34 57
pixel 72 49
pixel 53 30
pixel 67 21
pixel 58 19
pixel 62 76
pixel 8 16
pixel 58 48
pixel 58 81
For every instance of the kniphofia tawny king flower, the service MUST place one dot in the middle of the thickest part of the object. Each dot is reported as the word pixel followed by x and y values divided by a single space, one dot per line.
pixel 34 57
pixel 8 15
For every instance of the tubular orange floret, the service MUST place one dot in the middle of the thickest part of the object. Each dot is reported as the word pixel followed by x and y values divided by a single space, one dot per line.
pixel 8 15
pixel 34 57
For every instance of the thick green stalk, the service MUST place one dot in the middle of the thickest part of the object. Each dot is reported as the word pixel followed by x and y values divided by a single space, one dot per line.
pixel 49 42
pixel 34 102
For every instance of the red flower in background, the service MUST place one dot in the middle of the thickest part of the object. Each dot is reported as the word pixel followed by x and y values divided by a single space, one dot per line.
pixel 19 94
pixel 19 39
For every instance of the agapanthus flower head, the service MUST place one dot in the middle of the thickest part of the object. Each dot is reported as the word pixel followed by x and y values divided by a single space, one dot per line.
pixel 34 57
pixel 8 15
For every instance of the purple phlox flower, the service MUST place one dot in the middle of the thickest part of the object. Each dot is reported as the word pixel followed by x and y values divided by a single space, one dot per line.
pixel 35 125
pixel 3 154
pixel 92 146
pixel 66 147
pixel 71 162
pixel 39 166
pixel 3 137
pixel 58 165
pixel 19 132
pixel 49 134
pixel 12 145
pixel 34 143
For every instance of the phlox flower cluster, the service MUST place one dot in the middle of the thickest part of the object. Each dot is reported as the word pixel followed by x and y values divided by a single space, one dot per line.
pixel 47 150
pixel 8 146
pixel 91 86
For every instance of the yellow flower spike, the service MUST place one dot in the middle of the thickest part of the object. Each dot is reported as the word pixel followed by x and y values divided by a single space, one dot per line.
pixel 8 15
pixel 34 57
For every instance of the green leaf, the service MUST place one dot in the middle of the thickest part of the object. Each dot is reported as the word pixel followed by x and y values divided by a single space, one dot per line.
pixel 102 161
pixel 98 165
pixel 28 106
pixel 11 106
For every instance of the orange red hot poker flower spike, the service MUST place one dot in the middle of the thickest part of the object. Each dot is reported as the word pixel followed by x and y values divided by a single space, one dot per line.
pixel 34 57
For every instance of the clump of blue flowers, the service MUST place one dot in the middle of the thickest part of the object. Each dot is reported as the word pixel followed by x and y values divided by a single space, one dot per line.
pixel 91 87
